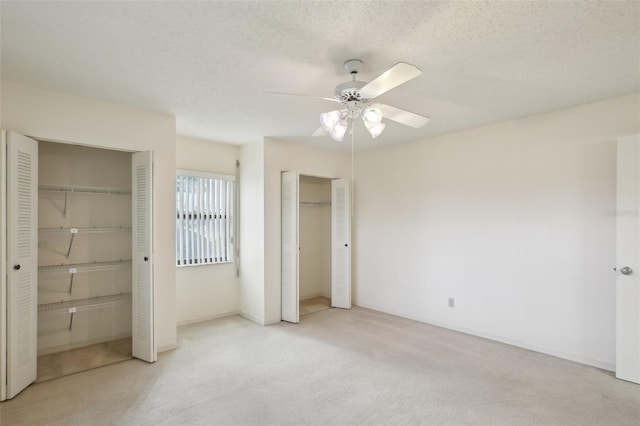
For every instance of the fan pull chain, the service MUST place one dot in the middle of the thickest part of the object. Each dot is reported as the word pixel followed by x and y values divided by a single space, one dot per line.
pixel 352 167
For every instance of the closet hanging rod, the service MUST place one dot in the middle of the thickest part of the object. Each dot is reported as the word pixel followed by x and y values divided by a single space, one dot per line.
pixel 83 189
pixel 85 230
pixel 76 268
pixel 315 203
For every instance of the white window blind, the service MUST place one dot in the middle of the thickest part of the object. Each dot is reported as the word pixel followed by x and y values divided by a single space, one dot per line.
pixel 204 219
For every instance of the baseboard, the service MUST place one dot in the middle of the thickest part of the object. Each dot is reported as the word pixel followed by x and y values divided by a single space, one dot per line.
pixel 547 351
pixel 311 296
pixel 273 321
pixel 251 318
pixel 206 318
pixel 169 347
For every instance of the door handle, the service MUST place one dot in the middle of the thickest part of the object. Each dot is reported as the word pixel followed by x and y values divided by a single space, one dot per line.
pixel 626 271
pixel 16 267
pixel 146 259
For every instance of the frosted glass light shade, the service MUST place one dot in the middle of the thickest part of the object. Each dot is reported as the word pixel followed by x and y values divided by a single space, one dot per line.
pixel 338 132
pixel 374 129
pixel 372 115
pixel 328 120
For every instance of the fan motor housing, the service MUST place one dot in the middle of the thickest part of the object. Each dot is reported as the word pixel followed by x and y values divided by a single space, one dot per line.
pixel 350 91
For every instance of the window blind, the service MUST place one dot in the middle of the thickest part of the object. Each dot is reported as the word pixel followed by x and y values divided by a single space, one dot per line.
pixel 204 214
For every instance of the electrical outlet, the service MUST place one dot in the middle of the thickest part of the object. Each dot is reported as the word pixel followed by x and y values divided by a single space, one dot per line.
pixel 452 302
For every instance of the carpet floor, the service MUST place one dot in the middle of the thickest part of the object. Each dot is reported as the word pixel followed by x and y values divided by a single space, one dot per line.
pixel 336 367
pixel 315 304
pixel 60 364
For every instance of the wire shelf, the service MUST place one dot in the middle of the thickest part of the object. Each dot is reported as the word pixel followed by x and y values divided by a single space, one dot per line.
pixel 87 230
pixel 82 267
pixel 314 203
pixel 83 189
pixel 82 305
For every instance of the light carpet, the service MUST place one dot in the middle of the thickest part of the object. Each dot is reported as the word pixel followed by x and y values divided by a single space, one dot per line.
pixel 60 364
pixel 336 367
pixel 314 304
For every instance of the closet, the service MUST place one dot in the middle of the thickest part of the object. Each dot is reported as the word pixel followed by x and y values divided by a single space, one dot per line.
pixel 76 231
pixel 84 258
pixel 315 244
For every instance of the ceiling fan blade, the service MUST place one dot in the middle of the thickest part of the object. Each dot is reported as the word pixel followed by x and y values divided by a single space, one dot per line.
pixel 305 96
pixel 319 132
pixel 403 117
pixel 393 77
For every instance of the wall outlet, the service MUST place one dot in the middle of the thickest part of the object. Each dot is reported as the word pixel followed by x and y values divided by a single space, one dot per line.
pixel 452 302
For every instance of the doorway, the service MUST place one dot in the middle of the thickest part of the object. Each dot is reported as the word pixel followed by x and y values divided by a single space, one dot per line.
pixel 84 278
pixel 316 245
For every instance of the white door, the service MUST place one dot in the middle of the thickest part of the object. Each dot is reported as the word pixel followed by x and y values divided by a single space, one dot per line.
pixel 21 264
pixel 290 247
pixel 142 258
pixel 628 260
pixel 340 244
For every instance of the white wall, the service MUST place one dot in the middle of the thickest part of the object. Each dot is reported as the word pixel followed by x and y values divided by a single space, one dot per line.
pixel 283 156
pixel 252 226
pixel 315 238
pixel 46 114
pixel 207 291
pixel 508 219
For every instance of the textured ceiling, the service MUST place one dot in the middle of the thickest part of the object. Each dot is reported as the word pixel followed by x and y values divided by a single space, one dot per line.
pixel 211 63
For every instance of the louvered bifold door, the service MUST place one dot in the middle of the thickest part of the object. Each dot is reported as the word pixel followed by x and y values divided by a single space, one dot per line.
pixel 22 262
pixel 340 244
pixel 628 259
pixel 289 241
pixel 142 258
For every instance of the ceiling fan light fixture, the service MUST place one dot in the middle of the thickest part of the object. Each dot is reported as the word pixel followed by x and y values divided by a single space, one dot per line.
pixel 338 131
pixel 372 115
pixel 374 129
pixel 329 120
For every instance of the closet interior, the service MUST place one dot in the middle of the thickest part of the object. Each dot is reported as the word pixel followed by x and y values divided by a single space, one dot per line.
pixel 315 244
pixel 84 258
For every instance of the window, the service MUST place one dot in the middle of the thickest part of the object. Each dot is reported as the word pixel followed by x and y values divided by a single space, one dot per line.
pixel 204 218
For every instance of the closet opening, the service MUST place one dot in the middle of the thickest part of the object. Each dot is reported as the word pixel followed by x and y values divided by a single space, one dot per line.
pixel 77 230
pixel 84 283
pixel 315 244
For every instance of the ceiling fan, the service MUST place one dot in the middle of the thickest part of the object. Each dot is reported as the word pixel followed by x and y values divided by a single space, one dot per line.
pixel 357 100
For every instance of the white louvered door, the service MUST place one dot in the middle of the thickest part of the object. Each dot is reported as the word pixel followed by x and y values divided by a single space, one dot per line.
pixel 142 258
pixel 290 254
pixel 340 244
pixel 628 260
pixel 22 262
